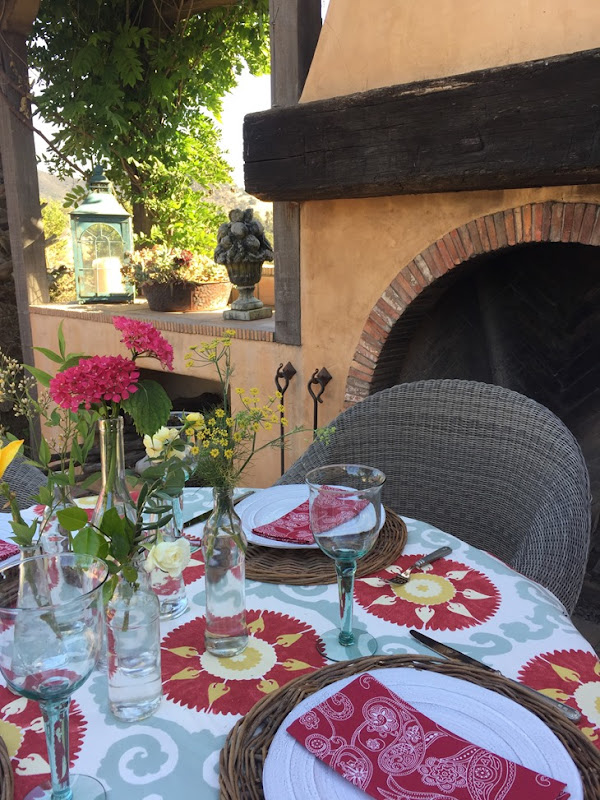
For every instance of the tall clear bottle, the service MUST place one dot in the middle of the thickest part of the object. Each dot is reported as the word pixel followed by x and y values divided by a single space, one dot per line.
pixel 223 548
pixel 114 492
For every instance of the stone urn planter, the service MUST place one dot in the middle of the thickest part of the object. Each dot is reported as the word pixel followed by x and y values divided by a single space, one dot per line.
pixel 185 296
pixel 243 248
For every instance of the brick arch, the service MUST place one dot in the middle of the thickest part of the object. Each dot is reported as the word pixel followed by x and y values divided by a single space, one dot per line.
pixel 551 221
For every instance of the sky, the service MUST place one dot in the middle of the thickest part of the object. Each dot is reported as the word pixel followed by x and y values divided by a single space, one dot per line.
pixel 251 94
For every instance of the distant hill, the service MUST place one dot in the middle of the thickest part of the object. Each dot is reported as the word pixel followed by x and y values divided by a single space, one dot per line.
pixel 226 196
pixel 53 188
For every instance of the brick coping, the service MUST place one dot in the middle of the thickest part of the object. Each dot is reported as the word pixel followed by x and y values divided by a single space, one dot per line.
pixel 210 323
pixel 551 221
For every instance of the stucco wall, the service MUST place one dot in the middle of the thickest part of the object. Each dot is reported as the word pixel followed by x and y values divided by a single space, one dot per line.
pixel 352 249
pixel 366 44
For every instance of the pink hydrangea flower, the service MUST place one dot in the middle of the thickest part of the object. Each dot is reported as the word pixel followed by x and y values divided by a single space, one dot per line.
pixel 94 381
pixel 144 340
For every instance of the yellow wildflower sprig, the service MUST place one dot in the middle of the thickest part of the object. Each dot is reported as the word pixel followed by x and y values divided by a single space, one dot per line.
pixel 227 441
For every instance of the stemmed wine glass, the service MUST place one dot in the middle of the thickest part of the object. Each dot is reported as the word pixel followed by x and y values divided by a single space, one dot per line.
pixel 51 618
pixel 345 518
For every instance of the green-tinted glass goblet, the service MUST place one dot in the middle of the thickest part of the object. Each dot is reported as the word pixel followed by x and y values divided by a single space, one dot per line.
pixel 51 618
pixel 345 518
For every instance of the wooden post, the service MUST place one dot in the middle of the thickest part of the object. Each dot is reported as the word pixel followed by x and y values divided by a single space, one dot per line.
pixel 17 151
pixel 295 26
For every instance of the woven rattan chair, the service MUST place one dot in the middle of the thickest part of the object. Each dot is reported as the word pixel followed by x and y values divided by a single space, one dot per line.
pixel 24 480
pixel 484 463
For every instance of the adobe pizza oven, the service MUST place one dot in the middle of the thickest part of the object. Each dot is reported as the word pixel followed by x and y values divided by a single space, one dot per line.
pixel 465 209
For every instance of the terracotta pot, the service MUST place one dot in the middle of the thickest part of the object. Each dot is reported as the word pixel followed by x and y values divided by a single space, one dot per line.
pixel 187 296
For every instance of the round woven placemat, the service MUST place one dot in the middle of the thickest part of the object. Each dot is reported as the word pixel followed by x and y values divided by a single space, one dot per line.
pixel 246 747
pixel 307 567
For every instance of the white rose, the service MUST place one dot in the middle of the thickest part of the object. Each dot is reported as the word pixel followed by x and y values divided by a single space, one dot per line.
pixel 170 557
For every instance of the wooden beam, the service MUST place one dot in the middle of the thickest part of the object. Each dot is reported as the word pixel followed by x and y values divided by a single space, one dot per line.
pixel 529 124
pixel 17 16
pixel 21 183
pixel 294 26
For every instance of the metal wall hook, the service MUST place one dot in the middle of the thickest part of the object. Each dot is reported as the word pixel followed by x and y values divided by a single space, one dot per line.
pixel 321 378
pixel 284 374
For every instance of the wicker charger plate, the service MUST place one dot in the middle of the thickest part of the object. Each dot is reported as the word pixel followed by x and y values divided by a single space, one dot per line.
pixel 246 747
pixel 307 567
pixel 6 774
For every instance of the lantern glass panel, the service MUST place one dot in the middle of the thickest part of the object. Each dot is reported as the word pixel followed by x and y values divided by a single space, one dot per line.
pixel 102 252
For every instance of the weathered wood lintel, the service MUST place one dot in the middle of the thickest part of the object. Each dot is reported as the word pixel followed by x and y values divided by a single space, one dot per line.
pixel 530 124
pixel 18 15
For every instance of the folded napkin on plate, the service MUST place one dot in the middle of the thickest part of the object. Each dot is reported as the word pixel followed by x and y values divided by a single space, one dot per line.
pixel 8 549
pixel 387 748
pixel 329 511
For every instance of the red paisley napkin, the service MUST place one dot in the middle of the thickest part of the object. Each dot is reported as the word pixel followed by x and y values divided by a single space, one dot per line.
pixel 8 549
pixel 390 750
pixel 329 511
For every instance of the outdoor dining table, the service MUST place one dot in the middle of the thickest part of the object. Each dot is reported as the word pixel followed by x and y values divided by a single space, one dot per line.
pixel 470 600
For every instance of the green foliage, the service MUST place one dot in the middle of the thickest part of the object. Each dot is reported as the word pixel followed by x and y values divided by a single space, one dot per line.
pixel 149 407
pixel 123 85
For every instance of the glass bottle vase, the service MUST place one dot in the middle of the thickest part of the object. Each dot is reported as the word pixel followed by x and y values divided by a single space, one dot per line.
pixel 133 645
pixel 53 537
pixel 169 590
pixel 223 550
pixel 114 492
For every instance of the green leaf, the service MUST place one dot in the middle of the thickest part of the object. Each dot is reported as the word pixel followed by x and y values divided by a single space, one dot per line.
pixel 49 354
pixel 149 407
pixel 72 518
pixel 61 340
pixel 109 585
pixel 90 542
pixel 23 534
pixel 72 361
pixel 130 573
pixel 44 495
pixel 39 374
pixel 44 452
pixel 90 480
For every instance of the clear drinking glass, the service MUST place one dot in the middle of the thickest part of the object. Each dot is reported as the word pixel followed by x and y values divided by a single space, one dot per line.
pixel 51 619
pixel 133 645
pixel 345 518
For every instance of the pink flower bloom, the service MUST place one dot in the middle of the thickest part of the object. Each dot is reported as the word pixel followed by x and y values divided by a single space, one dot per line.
pixel 143 339
pixel 93 381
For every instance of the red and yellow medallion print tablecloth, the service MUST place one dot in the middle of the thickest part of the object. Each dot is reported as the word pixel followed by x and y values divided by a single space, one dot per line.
pixel 470 600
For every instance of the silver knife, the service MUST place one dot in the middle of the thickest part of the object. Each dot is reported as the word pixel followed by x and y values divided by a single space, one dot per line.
pixel 456 655
pixel 206 514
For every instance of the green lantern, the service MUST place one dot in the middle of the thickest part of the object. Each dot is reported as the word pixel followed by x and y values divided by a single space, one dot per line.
pixel 102 234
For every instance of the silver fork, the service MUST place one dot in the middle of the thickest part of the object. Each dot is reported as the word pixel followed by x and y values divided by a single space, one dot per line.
pixel 404 576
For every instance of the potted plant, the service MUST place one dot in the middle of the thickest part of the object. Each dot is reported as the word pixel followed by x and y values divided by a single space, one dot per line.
pixel 173 279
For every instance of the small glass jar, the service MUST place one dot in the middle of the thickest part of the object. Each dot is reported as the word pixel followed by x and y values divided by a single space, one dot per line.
pixel 133 644
pixel 223 549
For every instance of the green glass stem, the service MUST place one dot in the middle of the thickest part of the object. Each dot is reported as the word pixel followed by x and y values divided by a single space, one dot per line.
pixel 56 725
pixel 346 570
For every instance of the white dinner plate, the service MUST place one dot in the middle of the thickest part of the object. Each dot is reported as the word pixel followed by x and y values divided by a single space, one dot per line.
pixel 270 504
pixel 479 715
